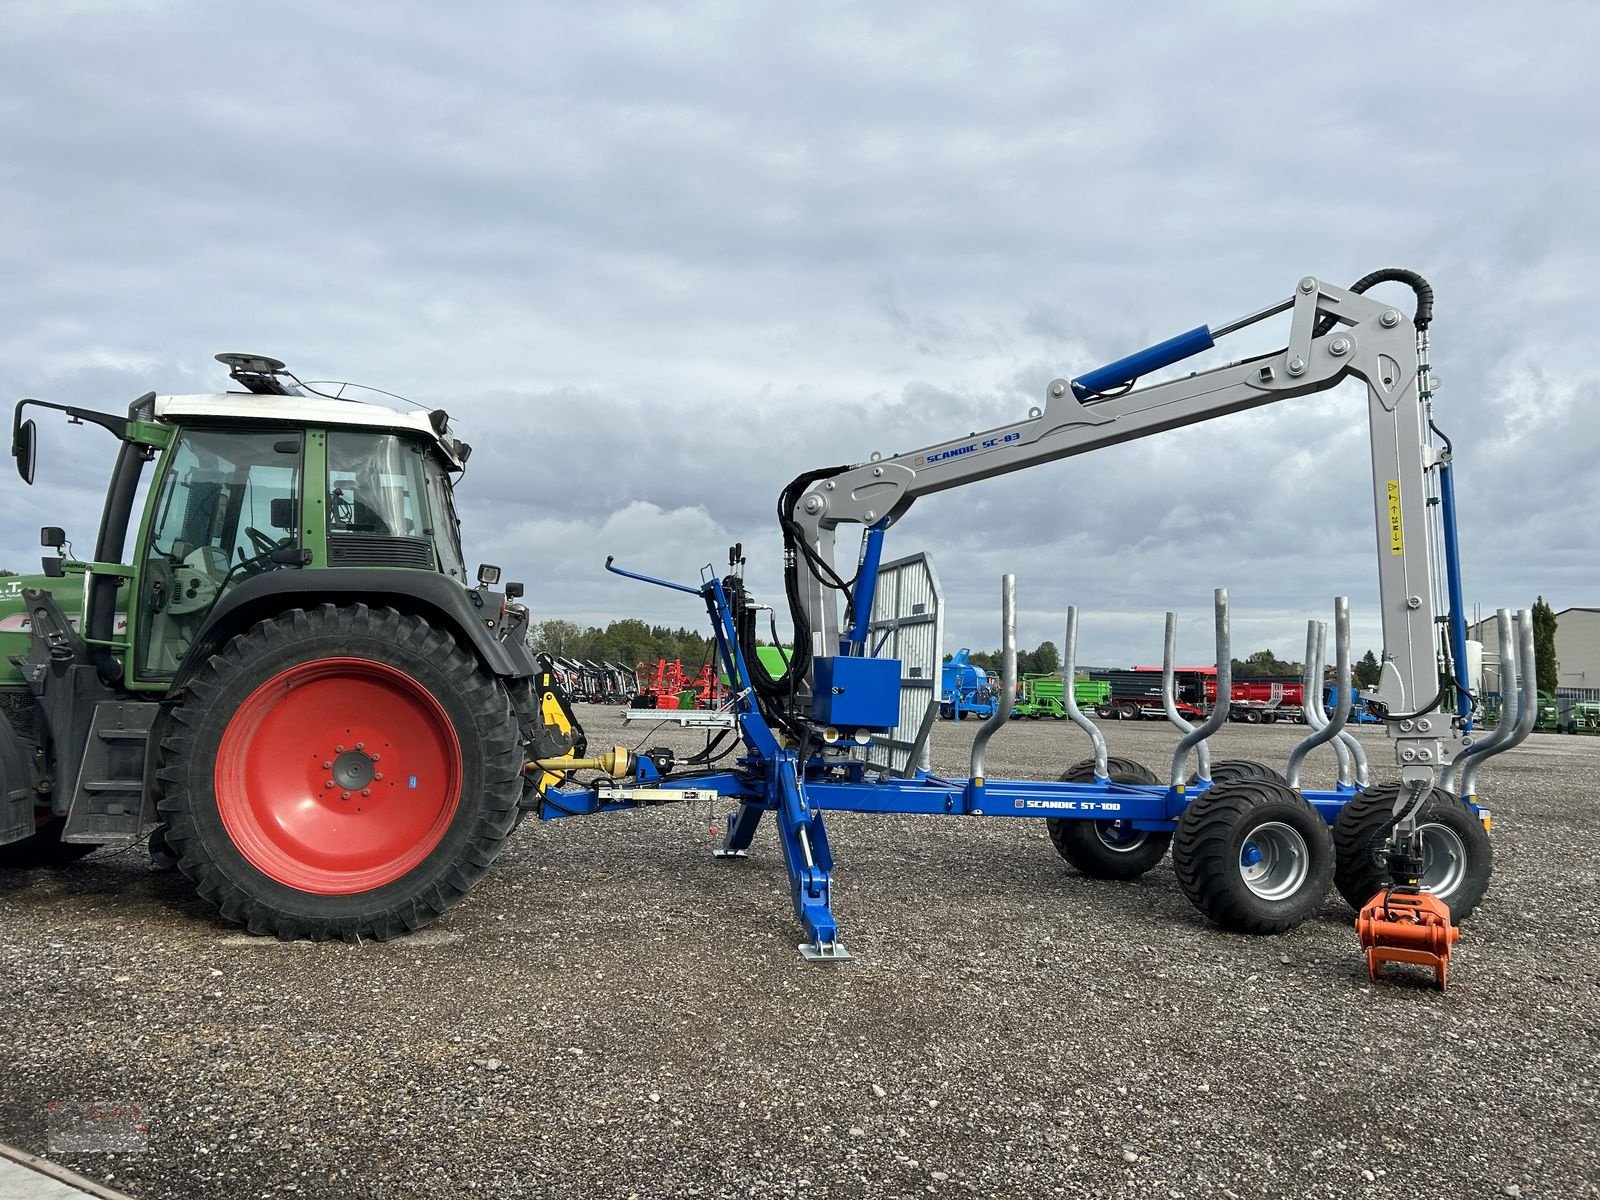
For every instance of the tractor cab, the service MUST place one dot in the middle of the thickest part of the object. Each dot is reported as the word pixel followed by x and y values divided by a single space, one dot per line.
pixel 242 485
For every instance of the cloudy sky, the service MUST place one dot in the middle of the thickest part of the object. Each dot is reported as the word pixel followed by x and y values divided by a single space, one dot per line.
pixel 657 261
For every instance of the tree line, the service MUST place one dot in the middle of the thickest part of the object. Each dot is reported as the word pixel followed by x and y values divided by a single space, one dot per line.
pixel 627 642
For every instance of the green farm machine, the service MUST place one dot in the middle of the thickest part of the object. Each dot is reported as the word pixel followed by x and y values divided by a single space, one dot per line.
pixel 1045 696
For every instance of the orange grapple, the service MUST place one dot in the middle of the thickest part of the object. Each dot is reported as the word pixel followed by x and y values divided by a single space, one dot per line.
pixel 1407 927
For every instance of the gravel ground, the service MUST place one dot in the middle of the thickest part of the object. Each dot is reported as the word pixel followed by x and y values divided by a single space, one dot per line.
pixel 615 1013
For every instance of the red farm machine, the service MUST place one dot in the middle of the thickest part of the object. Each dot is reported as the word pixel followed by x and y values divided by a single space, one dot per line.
pixel 277 668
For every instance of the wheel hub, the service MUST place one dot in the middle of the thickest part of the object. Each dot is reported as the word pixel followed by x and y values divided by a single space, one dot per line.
pixel 1274 860
pixel 1444 860
pixel 1120 836
pixel 341 821
pixel 353 770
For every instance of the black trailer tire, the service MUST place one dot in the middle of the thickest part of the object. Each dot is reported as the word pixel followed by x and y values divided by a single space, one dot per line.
pixel 1253 855
pixel 1108 849
pixel 1252 716
pixel 1458 857
pixel 44 848
pixel 289 836
pixel 1128 712
pixel 1230 769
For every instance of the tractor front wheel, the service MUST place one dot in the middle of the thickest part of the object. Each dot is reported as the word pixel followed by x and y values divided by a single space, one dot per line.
pixel 346 772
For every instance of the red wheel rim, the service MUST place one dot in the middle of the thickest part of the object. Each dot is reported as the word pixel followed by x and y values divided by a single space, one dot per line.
pixel 338 776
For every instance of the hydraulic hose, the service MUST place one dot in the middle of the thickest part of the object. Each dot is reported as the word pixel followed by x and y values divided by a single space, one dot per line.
pixel 1419 285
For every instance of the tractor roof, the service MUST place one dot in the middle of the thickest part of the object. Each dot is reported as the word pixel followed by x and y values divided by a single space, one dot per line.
pixel 312 410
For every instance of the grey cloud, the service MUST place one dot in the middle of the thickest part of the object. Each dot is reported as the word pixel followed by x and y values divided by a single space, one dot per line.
pixel 658 263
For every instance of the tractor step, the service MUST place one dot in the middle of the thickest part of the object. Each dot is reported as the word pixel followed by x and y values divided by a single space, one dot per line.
pixel 108 797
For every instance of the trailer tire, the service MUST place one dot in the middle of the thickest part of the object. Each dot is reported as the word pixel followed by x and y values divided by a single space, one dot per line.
pixel 1128 712
pixel 1108 849
pixel 1252 716
pixel 44 848
pixel 281 817
pixel 1253 855
pixel 1458 856
pixel 1231 769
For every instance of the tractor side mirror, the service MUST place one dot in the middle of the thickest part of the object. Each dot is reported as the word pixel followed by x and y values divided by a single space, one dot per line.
pixel 25 449
pixel 282 513
pixel 53 536
pixel 514 591
pixel 488 576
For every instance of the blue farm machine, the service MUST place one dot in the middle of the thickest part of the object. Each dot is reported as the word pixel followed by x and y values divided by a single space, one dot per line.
pixel 289 683
pixel 966 689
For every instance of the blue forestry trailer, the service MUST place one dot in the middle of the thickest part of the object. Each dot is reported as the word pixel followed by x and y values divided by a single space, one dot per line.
pixel 846 727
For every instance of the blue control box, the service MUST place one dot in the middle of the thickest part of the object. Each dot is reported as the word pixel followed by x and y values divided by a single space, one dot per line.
pixel 856 693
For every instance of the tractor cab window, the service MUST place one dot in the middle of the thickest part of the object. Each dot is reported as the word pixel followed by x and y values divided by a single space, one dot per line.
pixel 446 527
pixel 377 513
pixel 226 501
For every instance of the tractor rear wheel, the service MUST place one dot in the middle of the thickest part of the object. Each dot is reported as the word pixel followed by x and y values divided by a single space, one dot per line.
pixel 345 772
pixel 1108 849
pixel 1253 855
pixel 1457 856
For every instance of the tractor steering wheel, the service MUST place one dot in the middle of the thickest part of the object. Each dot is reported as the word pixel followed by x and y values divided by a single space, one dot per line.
pixel 264 545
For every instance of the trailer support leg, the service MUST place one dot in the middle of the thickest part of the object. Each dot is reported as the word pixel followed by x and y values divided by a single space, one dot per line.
pixel 810 862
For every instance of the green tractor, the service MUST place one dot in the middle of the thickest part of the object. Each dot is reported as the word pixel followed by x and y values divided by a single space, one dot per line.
pixel 288 674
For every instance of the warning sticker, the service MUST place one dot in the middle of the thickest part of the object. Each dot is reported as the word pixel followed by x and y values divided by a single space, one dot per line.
pixel 1397 540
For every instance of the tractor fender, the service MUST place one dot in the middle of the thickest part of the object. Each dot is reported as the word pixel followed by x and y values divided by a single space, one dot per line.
pixel 445 604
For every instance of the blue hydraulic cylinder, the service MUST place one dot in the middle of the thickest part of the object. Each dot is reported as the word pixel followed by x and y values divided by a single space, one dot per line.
pixel 1095 383
pixel 1452 576
pixel 854 641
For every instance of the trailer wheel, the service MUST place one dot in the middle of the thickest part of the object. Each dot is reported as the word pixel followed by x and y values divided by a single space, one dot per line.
pixel 1128 712
pixel 1253 855
pixel 44 847
pixel 1252 716
pixel 1108 849
pixel 1457 856
pixel 346 772
pixel 1230 769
